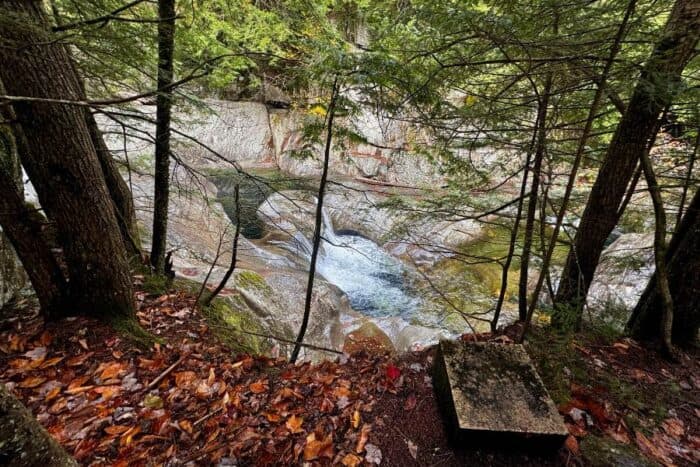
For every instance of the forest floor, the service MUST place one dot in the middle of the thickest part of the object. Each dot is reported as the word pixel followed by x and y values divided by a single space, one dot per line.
pixel 191 400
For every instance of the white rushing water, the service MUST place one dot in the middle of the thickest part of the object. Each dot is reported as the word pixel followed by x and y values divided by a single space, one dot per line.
pixel 372 279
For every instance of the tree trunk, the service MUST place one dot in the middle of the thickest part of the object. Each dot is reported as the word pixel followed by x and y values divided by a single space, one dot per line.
pixel 318 225
pixel 62 162
pixel 532 201
pixel 166 37
pixel 683 265
pixel 23 441
pixel 23 226
pixel 660 249
pixel 655 90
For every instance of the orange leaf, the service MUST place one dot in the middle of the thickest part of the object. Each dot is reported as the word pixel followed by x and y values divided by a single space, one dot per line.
pixel 116 429
pixel 52 393
pixel 273 417
pixel 258 387
pixel 351 460
pixel 318 448
pixel 184 378
pixel 294 424
pixel 185 425
pixel 51 362
pixel 32 382
pixel 572 445
pixel 111 370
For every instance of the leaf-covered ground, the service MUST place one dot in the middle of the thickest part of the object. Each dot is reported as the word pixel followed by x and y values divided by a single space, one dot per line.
pixel 190 400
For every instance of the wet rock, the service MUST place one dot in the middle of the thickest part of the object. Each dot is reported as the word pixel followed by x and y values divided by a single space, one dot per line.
pixel 492 392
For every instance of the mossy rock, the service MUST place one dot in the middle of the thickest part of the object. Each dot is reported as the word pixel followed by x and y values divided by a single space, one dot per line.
pixel 252 280
pixel 232 321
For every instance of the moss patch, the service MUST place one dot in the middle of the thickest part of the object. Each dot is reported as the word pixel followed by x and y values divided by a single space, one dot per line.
pixel 232 321
pixel 132 330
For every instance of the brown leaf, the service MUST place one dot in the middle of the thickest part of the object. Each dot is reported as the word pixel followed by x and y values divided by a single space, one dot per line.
pixel 79 359
pixel 674 427
pixel 362 440
pixel 294 424
pixel 651 450
pixel 32 382
pixel 411 402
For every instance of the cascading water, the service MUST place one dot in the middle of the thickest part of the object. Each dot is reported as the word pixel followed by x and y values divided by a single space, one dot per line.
pixel 372 279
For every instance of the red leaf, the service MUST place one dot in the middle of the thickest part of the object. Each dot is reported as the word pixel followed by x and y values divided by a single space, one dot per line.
pixel 392 372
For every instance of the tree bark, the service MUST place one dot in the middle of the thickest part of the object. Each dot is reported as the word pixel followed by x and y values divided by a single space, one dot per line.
pixel 62 162
pixel 23 226
pixel 660 248
pixel 166 38
pixel 657 85
pixel 557 317
pixel 23 441
pixel 318 226
pixel 683 265
pixel 532 201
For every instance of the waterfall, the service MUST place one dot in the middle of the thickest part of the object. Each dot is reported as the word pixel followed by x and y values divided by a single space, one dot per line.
pixel 372 279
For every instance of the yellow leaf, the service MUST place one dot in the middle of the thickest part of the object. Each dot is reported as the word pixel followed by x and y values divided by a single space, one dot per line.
pixel 356 419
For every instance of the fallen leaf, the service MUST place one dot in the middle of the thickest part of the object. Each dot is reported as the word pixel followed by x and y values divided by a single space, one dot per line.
pixel 111 370
pixel 374 454
pixel 351 460
pixel 572 445
pixel 294 424
pixel 412 449
pixel 674 427
pixel 117 429
pixel 258 387
pixel 356 419
pixel 32 382
pixel 362 440
pixel 392 372
pixel 315 448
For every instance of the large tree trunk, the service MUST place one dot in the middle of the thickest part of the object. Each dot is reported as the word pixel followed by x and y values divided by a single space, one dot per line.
pixel 683 264
pixel 122 199
pixel 23 441
pixel 655 90
pixel 23 227
pixel 62 162
pixel 166 38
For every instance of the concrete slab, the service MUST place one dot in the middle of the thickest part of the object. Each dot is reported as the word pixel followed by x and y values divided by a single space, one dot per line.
pixel 492 392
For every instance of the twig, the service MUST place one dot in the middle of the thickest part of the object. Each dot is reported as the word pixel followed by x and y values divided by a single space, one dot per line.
pixel 207 416
pixel 168 370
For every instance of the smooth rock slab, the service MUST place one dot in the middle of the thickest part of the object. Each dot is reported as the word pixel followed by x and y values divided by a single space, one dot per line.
pixel 491 392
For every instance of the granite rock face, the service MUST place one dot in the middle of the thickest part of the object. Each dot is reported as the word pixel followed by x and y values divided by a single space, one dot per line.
pixel 492 391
